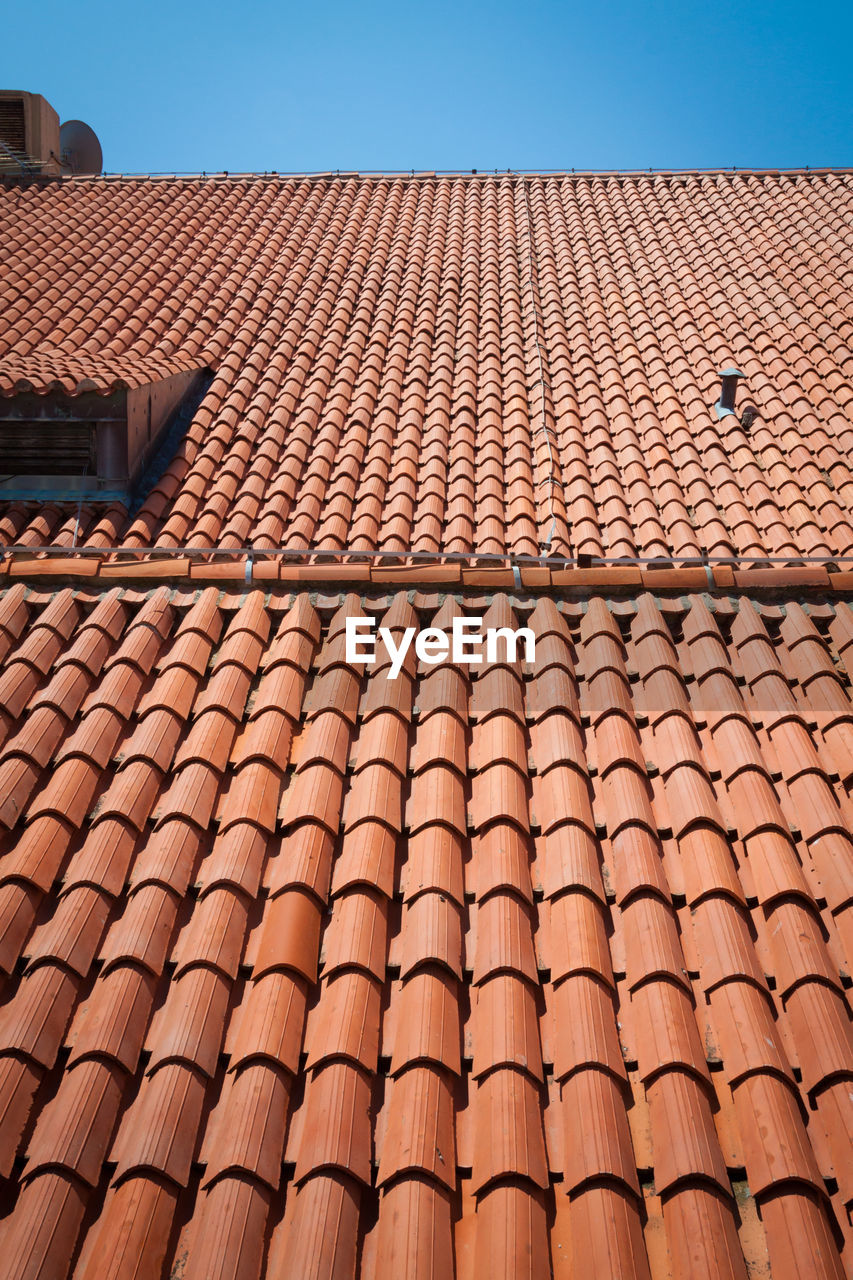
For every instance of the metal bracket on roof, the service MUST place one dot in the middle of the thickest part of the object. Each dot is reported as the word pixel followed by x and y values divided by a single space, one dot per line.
pixel 516 577
pixel 25 163
pixel 249 569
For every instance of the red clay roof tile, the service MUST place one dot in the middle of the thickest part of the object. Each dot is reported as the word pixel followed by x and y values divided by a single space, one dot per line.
pixel 269 1021
pixel 414 1234
pixel 597 1139
pixel 158 1133
pixel 188 1027
pixel 246 1129
pixel 332 1128
pixel 504 938
pixel 142 933
pixel 512 1233
pixel 42 1234
pixel 500 859
pixel 505 1026
pixel 226 1235
pixel 75 1128
pixel 577 938
pixel 509 1136
pixel 345 1022
pixel 418 1127
pixel 321 1222
pixel 435 856
pixel 666 1030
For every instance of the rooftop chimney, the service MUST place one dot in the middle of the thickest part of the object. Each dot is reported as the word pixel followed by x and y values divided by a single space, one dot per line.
pixel 728 390
pixel 29 133
pixel 32 142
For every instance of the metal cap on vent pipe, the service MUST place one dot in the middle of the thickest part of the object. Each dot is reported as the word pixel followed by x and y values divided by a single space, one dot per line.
pixel 728 391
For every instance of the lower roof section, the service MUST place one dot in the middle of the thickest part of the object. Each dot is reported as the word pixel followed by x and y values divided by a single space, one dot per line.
pixel 511 969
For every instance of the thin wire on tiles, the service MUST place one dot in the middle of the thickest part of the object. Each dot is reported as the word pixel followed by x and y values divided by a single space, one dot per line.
pixel 420 175
pixel 544 430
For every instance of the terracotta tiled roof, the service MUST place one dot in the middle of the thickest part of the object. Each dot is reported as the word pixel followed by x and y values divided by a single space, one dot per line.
pixel 490 365
pixel 512 970
pixel 317 971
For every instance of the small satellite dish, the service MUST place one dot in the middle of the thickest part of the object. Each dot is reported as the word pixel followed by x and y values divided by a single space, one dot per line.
pixel 79 148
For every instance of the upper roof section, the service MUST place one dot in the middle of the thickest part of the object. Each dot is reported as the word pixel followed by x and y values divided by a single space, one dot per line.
pixel 514 365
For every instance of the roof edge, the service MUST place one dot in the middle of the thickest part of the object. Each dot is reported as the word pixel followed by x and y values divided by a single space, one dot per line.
pixel 419 175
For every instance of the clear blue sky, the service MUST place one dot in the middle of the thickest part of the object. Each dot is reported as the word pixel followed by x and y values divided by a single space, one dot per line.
pixel 194 86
